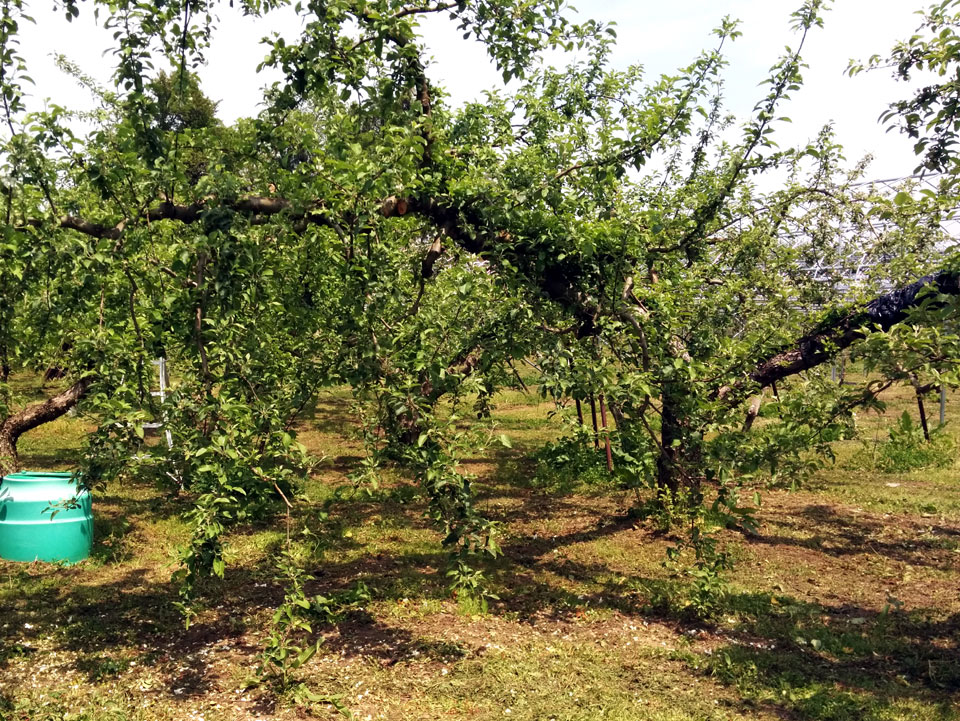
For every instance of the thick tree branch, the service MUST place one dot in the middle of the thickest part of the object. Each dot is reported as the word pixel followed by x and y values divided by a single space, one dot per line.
pixel 257 206
pixel 837 333
pixel 35 415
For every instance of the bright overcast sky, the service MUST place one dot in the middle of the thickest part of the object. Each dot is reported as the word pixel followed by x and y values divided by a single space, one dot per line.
pixel 662 36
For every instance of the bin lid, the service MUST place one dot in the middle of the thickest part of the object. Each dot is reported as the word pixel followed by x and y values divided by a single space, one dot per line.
pixel 38 475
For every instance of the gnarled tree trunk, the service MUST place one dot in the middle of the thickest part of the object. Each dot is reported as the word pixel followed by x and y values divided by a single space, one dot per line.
pixel 681 444
pixel 14 426
pixel 668 479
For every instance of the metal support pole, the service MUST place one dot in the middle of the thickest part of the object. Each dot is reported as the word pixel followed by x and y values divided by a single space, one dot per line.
pixel 943 403
pixel 161 365
pixel 163 397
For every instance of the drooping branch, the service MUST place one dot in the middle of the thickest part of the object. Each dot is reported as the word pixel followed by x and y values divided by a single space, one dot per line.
pixel 560 285
pixel 837 333
pixel 465 227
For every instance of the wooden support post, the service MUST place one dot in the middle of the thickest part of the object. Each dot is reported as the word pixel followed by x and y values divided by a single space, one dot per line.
pixel 943 403
pixel 596 430
pixel 923 411
pixel 606 433
pixel 577 401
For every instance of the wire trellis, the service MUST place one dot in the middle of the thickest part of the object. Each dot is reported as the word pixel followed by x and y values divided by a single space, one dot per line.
pixel 853 261
pixel 857 261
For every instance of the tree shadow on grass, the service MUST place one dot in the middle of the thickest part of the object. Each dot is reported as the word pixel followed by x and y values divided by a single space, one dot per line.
pixel 332 416
pixel 55 459
pixel 838 535
pixel 117 518
pixel 852 659
pixel 864 663
pixel 829 668
pixel 799 659
pixel 105 624
pixel 796 659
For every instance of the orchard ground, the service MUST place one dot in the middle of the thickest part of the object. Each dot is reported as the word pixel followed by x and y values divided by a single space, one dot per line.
pixel 845 605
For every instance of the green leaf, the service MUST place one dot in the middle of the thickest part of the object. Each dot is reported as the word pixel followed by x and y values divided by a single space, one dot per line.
pixel 307 654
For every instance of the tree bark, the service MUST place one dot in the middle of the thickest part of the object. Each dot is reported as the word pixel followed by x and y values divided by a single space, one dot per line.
pixel 4 363
pixel 14 426
pixel 668 480
pixel 54 373
pixel 681 444
pixel 837 333
pixel 752 413
pixel 596 430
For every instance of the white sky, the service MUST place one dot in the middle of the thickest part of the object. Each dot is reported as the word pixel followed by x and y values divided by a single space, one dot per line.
pixel 660 35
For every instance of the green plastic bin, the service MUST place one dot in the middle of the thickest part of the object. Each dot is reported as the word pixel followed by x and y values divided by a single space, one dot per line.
pixel 31 529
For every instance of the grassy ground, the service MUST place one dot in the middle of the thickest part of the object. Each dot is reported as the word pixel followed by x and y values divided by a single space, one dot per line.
pixel 845 606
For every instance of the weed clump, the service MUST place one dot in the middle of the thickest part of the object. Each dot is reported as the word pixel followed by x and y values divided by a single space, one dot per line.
pixel 577 463
pixel 907 449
